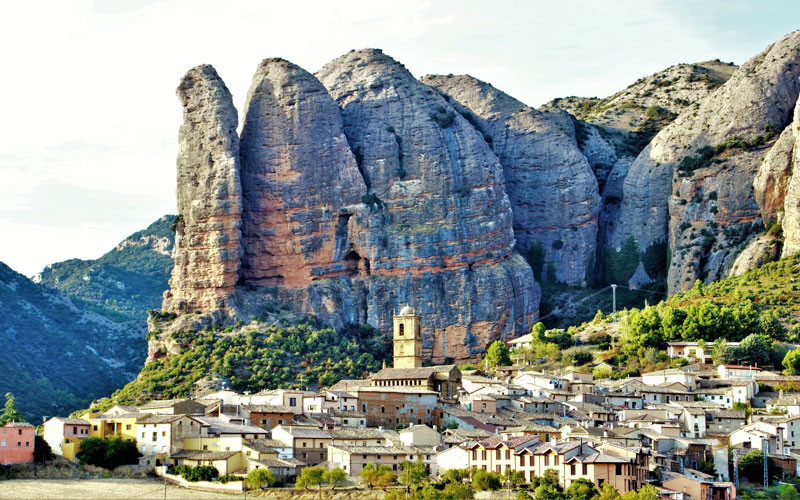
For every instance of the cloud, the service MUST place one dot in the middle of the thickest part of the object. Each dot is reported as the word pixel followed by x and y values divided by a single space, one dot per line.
pixel 88 94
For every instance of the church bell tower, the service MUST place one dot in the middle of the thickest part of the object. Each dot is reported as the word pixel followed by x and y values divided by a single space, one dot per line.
pixel 407 339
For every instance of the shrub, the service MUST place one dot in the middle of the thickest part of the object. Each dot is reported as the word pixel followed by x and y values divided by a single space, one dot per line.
pixel 558 244
pixel 443 118
pixel 257 478
pixel 372 200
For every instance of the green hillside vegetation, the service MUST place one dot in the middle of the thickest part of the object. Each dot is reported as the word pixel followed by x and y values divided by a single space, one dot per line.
pixel 57 356
pixel 257 357
pixel 126 281
pixel 759 308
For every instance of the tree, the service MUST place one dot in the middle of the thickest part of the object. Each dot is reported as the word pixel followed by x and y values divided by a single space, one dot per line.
pixel 751 466
pixel 10 413
pixel 334 476
pixel 257 478
pixel 458 491
pixel 456 475
pixel 791 362
pixel 92 452
pixel 413 475
pixel 498 354
pixel 755 349
pixel 581 489
pixel 41 450
pixel 607 492
pixel 310 477
pixel 721 354
pixel 646 492
pixel 120 451
pixel 707 467
pixel 788 492
pixel 770 325
pixel 484 480
pixel 538 332
pixel 513 477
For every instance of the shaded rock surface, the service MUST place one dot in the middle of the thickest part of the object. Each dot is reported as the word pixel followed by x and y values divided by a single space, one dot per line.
pixel 352 199
pixel 438 233
pixel 791 202
pixel 759 251
pixel 208 236
pixel 552 189
pixel 297 175
pixel 698 198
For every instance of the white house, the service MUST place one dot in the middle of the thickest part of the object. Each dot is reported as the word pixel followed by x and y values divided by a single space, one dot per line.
pixel 737 371
pixel 451 458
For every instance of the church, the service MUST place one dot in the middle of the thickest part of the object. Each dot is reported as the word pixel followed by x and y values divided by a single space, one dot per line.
pixel 408 370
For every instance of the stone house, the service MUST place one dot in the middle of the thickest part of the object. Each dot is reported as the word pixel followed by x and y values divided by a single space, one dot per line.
pixel 388 406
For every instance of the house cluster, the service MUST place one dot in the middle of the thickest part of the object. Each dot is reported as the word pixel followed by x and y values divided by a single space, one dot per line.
pixel 672 428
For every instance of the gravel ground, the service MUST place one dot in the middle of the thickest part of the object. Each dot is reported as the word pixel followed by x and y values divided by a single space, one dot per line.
pixel 89 489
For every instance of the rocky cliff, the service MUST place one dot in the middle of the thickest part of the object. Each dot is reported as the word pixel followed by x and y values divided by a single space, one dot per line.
pixel 355 191
pixel 208 235
pixel 691 186
pixel 298 173
pixel 552 189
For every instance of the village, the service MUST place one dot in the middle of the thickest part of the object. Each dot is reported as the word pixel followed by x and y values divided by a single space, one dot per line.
pixel 681 430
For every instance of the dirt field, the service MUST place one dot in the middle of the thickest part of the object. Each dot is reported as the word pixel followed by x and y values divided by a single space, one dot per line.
pixel 89 489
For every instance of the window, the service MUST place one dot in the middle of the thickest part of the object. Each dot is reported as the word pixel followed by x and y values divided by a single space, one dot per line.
pixel 74 430
pixel 585 469
pixel 530 462
pixel 555 458
pixel 483 453
pixel 619 469
pixel 66 440
pixel 127 427
pixel 142 434
pixel 394 466
pixel 474 454
pixel 402 330
pixel 547 460
pixel 508 454
pixel 292 401
pixel 572 469
pixel 383 410
pixel 163 433
pixel 497 455
pixel 95 427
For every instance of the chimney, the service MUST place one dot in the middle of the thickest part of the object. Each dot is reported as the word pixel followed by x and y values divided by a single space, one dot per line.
pixel 505 437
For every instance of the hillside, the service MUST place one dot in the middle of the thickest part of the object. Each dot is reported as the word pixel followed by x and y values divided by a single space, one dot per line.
pixel 129 279
pixel 675 89
pixel 280 350
pixel 56 355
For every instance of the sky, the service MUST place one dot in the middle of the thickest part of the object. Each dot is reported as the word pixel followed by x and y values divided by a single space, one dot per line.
pixel 90 118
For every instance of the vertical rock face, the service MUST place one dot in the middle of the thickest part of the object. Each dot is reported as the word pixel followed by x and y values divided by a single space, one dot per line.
pixel 703 198
pixel 207 239
pixel 552 189
pixel 436 228
pixel 791 203
pixel 772 177
pixel 298 174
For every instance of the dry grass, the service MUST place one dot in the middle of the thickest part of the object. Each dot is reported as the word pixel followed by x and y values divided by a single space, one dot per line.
pixel 78 489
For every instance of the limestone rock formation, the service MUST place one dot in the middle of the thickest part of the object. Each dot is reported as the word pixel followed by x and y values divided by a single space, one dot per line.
pixel 791 203
pixel 207 238
pixel 688 182
pixel 298 174
pixel 759 251
pixel 552 189
pixel 437 229
pixel 772 177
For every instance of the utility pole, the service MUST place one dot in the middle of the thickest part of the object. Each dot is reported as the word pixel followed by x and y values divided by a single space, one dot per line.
pixel 614 300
